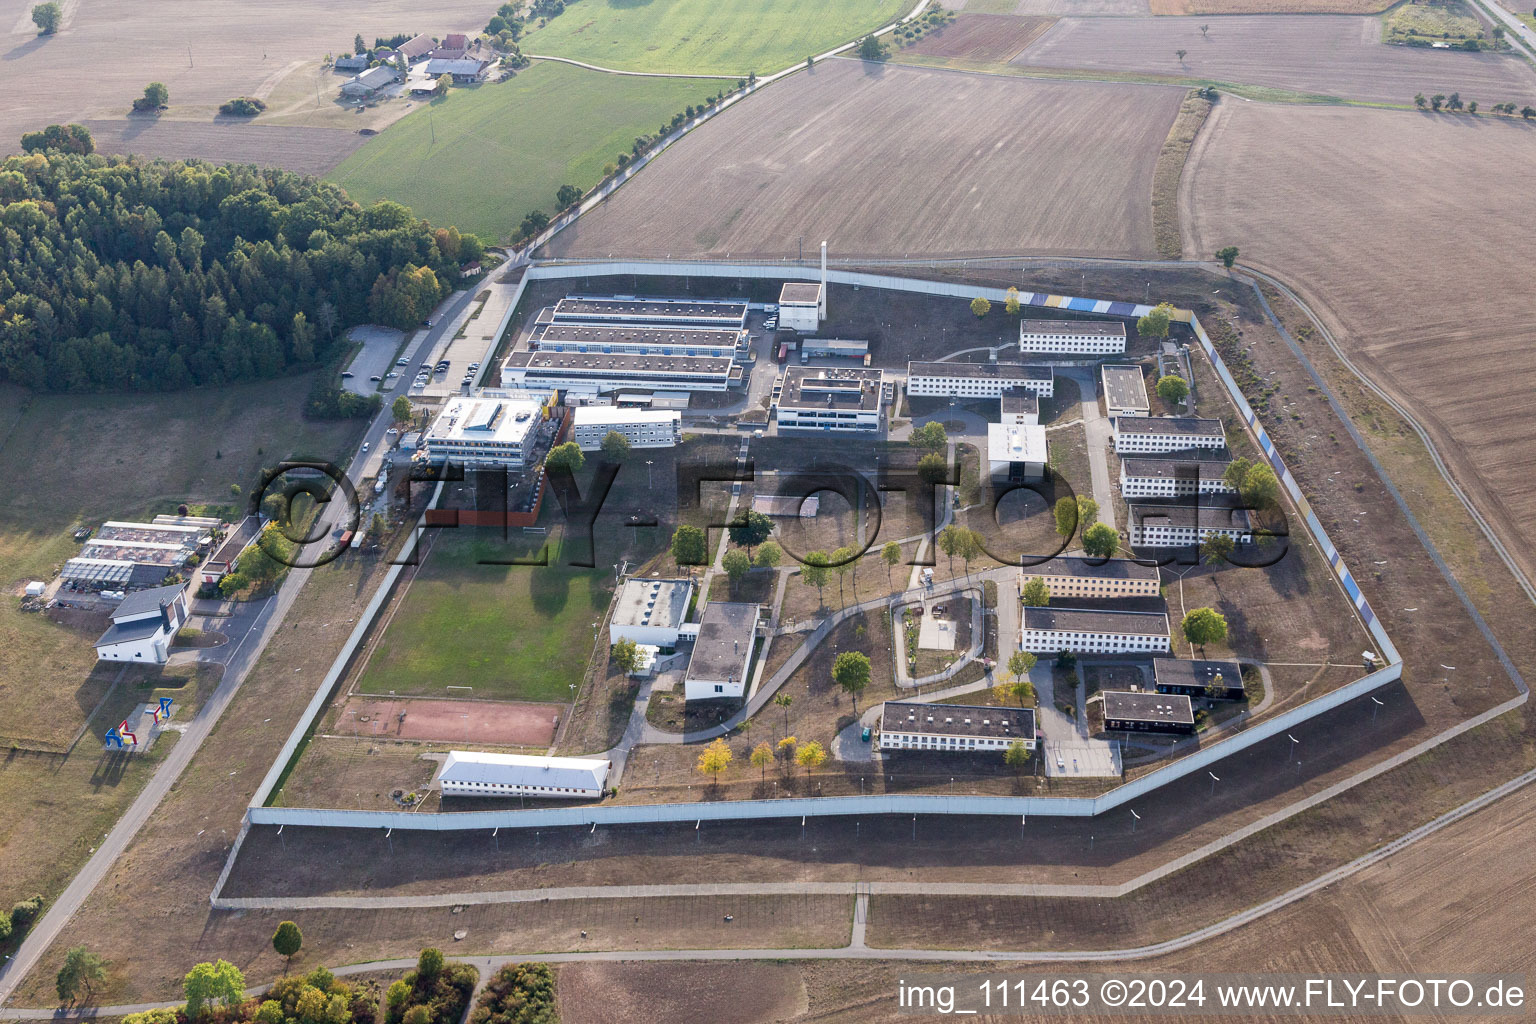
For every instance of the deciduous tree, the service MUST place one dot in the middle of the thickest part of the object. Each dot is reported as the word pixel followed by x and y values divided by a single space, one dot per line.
pixel 715 759
pixel 980 306
pixel 615 446
pixel 1101 541
pixel 890 554
pixel 815 573
pixel 762 757
pixel 1154 325
pixel 567 195
pixel 784 701
pixel 81 973
pixel 625 656
pixel 47 18
pixel 931 436
pixel 810 756
pixel 400 409
pixel 689 546
pixel 750 528
pixel 1172 388
pixel 1228 255
pixel 1204 626
pixel 566 456
pixel 1016 756
pixel 216 984
pixel 1065 511
pixel 287 941
pixel 1011 306
pixel 851 673
pixel 1216 548
pixel 1036 593
pixel 768 556
pixel 736 565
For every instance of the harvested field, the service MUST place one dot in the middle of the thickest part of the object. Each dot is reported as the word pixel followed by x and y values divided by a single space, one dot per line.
pixel 450 721
pixel 1168 7
pixel 1372 249
pixel 992 37
pixel 649 993
pixel 868 156
pixel 1332 56
pixel 306 150
pixel 1050 8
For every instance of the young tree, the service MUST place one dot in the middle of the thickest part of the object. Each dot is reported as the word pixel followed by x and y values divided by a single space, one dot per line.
pixel 784 700
pixel 750 528
pixel 1419 100
pixel 736 565
pixel 933 468
pixel 768 556
pixel 47 18
pixel 810 757
pixel 1236 472
pixel 762 757
pixel 968 546
pixel 1065 511
pixel 931 436
pixel 1016 757
pixel 567 195
pixel 1011 306
pixel 1228 255
pixel 1453 101
pixel 1154 324
pixel 625 656
pixel 1204 626
pixel 81 973
pixel 1019 665
pixel 1101 541
pixel 1172 388
pixel 844 562
pixel 689 546
pixel 1204 29
pixel 565 456
pixel 714 759
pixel 287 941
pixel 358 45
pixel 615 446
pixel 1437 101
pixel 890 554
pixel 1216 548
pixel 1036 593
pixel 870 48
pixel 815 573
pixel 219 983
pixel 949 543
pixel 1180 54
pixel 400 409
pixel 851 672
pixel 1260 488
pixel 1087 511
pixel 980 306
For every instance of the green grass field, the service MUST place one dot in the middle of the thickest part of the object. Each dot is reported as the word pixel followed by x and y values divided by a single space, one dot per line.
pixel 502 149
pixel 707 37
pixel 511 632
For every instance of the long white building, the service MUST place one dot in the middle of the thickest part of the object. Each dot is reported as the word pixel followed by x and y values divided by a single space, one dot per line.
pixel 1072 337
pixel 1074 576
pixel 577 309
pixel 1049 630
pixel 642 428
pixel 1156 434
pixel 480 432
pixel 827 399
pixel 479 773
pixel 1176 526
pixel 632 339
pixel 1172 478
pixel 604 372
pixel 978 380
pixel 954 728
pixel 722 652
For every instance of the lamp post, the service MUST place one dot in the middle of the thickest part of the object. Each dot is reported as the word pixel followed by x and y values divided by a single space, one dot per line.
pixel 1376 706
pixel 1214 779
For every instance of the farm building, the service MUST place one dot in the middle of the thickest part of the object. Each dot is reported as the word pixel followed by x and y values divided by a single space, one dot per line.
pixel 722 654
pixel 479 773
pixel 353 62
pixel 978 380
pixel 1049 630
pixel 144 625
pixel 1158 434
pixel 816 398
pixel 954 728
pixel 453 47
pixel 227 557
pixel 369 82
pixel 1072 337
pixel 1019 407
pixel 642 428
pixel 602 372
pixel 802 306
pixel 575 309
pixel 650 611
pixel 1016 453
pixel 1173 478
pixel 1176 526
pixel 463 70
pixel 637 339
pixel 1219 680
pixel 417 48
pixel 1140 711
pixel 482 432
pixel 833 348
pixel 1125 391
pixel 1071 576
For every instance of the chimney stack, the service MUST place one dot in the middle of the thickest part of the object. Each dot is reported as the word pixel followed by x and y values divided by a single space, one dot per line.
pixel 821 306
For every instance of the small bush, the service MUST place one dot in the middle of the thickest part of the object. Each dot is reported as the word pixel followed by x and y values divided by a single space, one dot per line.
pixel 242 106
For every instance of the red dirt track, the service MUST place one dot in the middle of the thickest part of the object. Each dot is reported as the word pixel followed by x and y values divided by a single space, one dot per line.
pixel 444 721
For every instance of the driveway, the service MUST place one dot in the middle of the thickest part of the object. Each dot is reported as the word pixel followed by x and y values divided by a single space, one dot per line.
pixel 1067 749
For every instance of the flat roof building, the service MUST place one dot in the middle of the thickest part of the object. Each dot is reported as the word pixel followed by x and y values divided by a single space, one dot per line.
pixel 802 306
pixel 1217 680
pixel 1075 337
pixel 1016 453
pixel 823 398
pixel 638 339
pixel 227 557
pixel 576 309
pixel 1019 407
pixel 650 611
pixel 482 432
pixel 642 428
pixel 1125 390
pixel 603 372
pixel 1143 434
pixel 479 773
pixel 1050 630
pixel 954 728
pixel 1071 576
pixel 1175 526
pixel 722 654
pixel 1173 478
pixel 1140 711
pixel 978 380
pixel 833 348
pixel 144 625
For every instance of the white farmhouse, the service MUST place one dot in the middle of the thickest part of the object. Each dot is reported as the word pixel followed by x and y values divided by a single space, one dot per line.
pixel 144 625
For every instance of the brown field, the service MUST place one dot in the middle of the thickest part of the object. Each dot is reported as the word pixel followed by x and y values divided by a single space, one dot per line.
pixel 205 53
pixel 511 723
pixel 1175 7
pixel 993 37
pixel 869 156
pixel 1050 8
pixel 1376 249
pixel 1333 56
pixel 649 993
pixel 306 150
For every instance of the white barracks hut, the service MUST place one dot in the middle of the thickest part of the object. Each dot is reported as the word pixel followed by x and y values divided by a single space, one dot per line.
pixel 478 773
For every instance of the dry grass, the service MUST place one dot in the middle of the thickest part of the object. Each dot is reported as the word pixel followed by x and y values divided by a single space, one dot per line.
pixel 988 37
pixel 1170 168
pixel 654 993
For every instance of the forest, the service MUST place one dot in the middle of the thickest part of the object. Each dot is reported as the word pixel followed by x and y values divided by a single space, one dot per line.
pixel 118 273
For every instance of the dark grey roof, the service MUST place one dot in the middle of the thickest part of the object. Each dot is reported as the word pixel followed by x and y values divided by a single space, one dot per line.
pixel 957 720
pixel 980 371
pixel 639 334
pixel 811 387
pixel 596 363
pixel 1178 672
pixel 1094 568
pixel 725 640
pixel 1019 400
pixel 1168 469
pixel 145 602
pixel 1124 387
pixel 1095 328
pixel 1208 516
pixel 140 629
pixel 238 540
pixel 794 291
pixel 1085 620
pixel 1140 706
pixel 1193 426
pixel 620 310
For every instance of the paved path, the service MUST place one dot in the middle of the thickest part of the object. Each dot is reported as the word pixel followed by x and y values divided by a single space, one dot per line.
pixel 1100 438
pixel 1522 33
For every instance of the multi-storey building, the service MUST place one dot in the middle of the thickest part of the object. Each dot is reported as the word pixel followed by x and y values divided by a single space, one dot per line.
pixel 642 428
pixel 978 380
pixel 1173 478
pixel 954 728
pixel 1049 630
pixel 822 398
pixel 1068 576
pixel 1157 434
pixel 1176 526
pixel 1072 337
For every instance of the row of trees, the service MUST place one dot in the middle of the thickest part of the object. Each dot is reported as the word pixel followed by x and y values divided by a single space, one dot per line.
pixel 126 274
pixel 1453 103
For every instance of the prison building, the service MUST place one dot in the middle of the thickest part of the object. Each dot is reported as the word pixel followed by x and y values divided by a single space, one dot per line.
pixel 722 653
pixel 834 348
pixel 484 432
pixel 1216 680
pixel 1016 454
pixel 483 774
pixel 1140 711
pixel 1050 630
pixel 978 380
pixel 642 428
pixel 1125 390
pixel 1174 526
pixel 1157 434
pixel 1019 407
pixel 650 611
pixel 825 399
pixel 603 372
pixel 954 728
pixel 576 309
pixel 1072 337
pixel 1173 478
pixel 638 339
pixel 1069 576
pixel 802 306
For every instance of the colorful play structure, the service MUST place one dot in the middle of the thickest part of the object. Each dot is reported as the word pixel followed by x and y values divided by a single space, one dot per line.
pixel 122 736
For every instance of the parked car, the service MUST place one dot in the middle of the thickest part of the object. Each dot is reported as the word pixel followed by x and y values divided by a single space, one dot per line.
pixel 375 378
pixel 426 323
pixel 402 361
pixel 770 307
pixel 865 734
pixel 474 366
pixel 346 374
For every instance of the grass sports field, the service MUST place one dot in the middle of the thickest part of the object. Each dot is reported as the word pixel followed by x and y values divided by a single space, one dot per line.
pixel 485 156
pixel 511 632
pixel 707 37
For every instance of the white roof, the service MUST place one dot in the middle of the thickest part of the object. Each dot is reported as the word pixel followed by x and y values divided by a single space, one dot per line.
pixel 524 770
pixel 604 414
pixel 1024 442
pixel 485 421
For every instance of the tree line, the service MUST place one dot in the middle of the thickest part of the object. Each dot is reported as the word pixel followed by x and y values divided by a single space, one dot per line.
pixel 129 274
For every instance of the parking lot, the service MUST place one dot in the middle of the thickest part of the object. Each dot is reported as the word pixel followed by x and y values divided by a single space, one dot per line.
pixel 375 359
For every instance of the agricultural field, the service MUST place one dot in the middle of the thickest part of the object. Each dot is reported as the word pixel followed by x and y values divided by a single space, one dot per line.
pixel 506 147
pixel 1342 57
pixel 305 150
pixel 1438 20
pixel 870 155
pixel 985 37
pixel 1051 8
pixel 1453 346
pixel 1177 7
pixel 696 37
pixel 205 54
